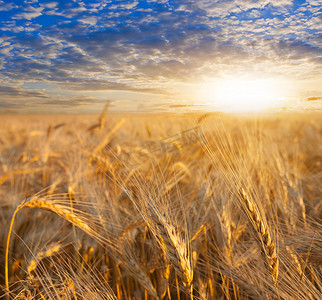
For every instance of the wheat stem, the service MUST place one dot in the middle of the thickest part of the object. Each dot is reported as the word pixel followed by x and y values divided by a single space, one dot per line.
pixel 43 204
pixel 262 230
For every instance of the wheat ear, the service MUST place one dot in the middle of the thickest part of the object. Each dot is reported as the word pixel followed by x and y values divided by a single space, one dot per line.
pixel 52 250
pixel 46 205
pixel 142 277
pixel 261 228
pixel 173 246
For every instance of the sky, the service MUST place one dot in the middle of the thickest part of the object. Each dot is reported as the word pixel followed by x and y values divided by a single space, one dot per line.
pixel 73 56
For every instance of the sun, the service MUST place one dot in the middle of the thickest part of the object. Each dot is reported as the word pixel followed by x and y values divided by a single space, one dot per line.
pixel 241 95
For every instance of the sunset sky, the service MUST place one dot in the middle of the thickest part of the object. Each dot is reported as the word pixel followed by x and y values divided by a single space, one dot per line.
pixel 73 56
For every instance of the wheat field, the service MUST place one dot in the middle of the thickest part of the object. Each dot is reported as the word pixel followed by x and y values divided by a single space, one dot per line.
pixel 161 206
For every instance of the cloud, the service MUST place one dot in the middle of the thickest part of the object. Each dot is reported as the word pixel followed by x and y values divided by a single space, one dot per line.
pixel 154 46
pixel 30 13
pixel 14 29
pixel 105 85
pixel 69 102
pixel 314 2
pixel 297 50
pixel 56 103
pixel 225 8
pixel 27 15
pixel 49 4
pixel 129 5
pixel 313 99
pixel 7 6
pixel 9 104
pixel 89 20
pixel 15 92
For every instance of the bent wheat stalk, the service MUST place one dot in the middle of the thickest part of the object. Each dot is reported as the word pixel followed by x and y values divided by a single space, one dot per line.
pixel 59 209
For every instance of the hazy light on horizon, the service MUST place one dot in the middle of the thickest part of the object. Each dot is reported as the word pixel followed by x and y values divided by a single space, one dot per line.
pixel 242 94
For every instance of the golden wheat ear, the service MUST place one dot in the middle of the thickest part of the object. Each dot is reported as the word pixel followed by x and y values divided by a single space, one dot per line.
pixel 173 246
pixel 60 210
pixel 262 231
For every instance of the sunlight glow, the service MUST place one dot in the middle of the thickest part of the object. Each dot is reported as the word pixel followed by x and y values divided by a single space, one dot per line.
pixel 244 95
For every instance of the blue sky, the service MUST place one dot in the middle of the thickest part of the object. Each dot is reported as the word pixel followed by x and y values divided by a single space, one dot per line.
pixel 75 55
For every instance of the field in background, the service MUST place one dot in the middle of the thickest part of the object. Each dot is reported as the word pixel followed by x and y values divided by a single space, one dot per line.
pixel 161 207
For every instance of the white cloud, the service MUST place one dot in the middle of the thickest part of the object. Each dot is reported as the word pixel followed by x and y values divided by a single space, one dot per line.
pixel 5 49
pixel 78 9
pixel 7 6
pixel 224 8
pixel 145 9
pixel 30 13
pixel 89 20
pixel 158 1
pixel 49 4
pixel 129 5
pixel 14 29
pixel 314 2
pixel 27 15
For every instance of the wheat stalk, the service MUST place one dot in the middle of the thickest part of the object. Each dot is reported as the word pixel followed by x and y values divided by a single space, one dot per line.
pixel 142 277
pixel 173 246
pixel 60 210
pixel 52 250
pixel 46 205
pixel 226 224
pixel 263 233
